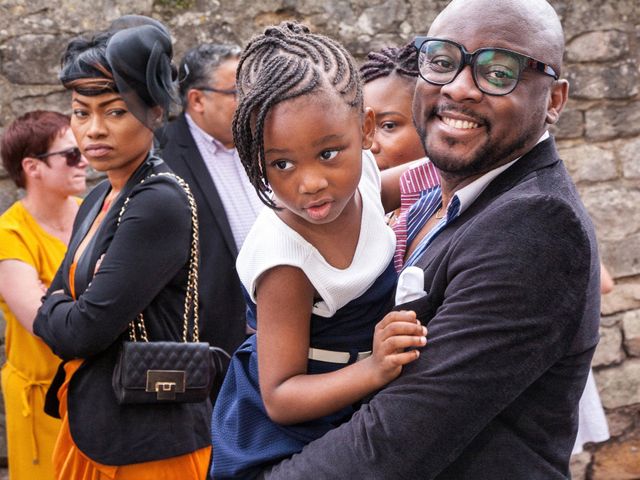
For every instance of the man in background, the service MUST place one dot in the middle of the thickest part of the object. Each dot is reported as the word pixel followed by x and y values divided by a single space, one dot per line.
pixel 198 146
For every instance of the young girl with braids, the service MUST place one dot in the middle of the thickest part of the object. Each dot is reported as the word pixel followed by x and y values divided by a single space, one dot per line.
pixel 316 266
pixel 389 77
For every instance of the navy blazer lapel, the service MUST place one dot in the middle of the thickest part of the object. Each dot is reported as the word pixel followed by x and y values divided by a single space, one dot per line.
pixel 542 155
pixel 191 157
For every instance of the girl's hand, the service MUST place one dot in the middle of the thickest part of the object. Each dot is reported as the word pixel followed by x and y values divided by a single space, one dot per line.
pixel 396 332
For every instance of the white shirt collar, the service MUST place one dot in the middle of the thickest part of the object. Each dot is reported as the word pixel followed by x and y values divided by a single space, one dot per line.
pixel 468 194
pixel 196 130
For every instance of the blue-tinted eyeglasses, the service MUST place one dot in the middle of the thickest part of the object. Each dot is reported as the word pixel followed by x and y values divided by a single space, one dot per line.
pixel 495 71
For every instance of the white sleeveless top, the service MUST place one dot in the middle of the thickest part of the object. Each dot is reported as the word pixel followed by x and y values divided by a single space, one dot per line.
pixel 271 243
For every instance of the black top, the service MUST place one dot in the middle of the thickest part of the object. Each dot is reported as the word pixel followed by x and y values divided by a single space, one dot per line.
pixel 145 268
pixel 512 308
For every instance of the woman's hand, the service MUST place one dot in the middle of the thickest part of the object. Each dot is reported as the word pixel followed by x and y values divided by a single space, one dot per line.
pixel 396 332
pixel 98 263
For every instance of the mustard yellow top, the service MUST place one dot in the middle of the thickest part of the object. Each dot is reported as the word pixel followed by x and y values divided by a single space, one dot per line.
pixel 22 238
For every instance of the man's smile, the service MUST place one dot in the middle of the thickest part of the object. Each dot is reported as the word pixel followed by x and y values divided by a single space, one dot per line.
pixel 462 124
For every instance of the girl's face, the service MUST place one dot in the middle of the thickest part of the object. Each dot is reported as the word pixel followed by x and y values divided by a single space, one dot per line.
pixel 111 138
pixel 56 175
pixel 395 141
pixel 313 155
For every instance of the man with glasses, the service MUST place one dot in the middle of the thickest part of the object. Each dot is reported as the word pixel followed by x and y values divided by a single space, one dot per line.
pixel 198 146
pixel 510 267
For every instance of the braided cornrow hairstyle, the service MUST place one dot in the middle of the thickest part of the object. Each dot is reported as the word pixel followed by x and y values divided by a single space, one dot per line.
pixel 285 62
pixel 384 62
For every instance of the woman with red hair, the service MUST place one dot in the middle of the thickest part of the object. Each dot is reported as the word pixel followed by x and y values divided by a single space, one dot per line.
pixel 41 156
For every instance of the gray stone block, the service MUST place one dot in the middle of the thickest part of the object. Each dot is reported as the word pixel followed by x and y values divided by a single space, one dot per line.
pixel 590 163
pixel 598 46
pixel 609 350
pixel 620 385
pixel 631 332
pixel 604 81
pixel 611 121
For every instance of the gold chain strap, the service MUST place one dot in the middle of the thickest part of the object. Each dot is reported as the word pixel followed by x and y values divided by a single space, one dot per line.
pixel 191 299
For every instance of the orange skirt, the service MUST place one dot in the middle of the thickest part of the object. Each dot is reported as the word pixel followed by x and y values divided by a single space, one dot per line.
pixel 70 463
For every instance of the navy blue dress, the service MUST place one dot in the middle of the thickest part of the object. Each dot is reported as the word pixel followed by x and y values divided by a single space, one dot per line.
pixel 245 440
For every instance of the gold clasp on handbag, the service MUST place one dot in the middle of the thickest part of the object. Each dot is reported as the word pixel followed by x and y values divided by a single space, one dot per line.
pixel 165 383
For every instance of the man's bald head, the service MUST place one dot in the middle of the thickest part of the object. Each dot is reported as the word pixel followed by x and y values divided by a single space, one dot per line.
pixel 534 26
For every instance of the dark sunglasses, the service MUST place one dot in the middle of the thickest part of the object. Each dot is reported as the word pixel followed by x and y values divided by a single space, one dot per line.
pixel 72 156
pixel 231 91
pixel 495 71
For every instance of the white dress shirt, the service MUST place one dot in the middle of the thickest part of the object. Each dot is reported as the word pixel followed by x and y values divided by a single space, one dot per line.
pixel 239 198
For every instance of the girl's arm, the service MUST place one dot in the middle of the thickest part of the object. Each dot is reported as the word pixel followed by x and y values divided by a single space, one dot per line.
pixel 22 290
pixel 284 299
pixel 390 188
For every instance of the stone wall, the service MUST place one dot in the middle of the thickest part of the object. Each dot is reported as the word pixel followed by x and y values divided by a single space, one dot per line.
pixel 599 133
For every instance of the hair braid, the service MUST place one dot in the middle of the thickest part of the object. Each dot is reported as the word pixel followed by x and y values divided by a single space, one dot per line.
pixel 384 62
pixel 285 62
pixel 285 72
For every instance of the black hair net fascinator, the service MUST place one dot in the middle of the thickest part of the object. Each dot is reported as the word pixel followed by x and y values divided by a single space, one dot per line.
pixel 139 54
pixel 128 21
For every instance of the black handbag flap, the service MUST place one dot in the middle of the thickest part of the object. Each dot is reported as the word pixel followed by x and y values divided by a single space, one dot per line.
pixel 192 358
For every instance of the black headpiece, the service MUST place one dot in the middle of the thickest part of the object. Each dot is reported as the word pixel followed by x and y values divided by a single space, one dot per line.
pixel 137 51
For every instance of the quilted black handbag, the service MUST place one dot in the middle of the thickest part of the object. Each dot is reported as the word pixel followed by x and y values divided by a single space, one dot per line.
pixel 166 372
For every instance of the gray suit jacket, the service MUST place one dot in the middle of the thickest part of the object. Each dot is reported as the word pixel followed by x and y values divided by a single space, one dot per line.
pixel 512 309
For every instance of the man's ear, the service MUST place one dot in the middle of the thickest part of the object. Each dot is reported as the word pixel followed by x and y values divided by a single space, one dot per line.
pixel 195 100
pixel 368 127
pixel 558 96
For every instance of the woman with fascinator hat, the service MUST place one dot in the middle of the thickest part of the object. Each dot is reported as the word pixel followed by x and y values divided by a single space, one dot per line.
pixel 121 82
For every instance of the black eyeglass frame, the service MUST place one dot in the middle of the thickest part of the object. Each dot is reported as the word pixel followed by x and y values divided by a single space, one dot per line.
pixel 223 91
pixel 468 58
pixel 72 156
